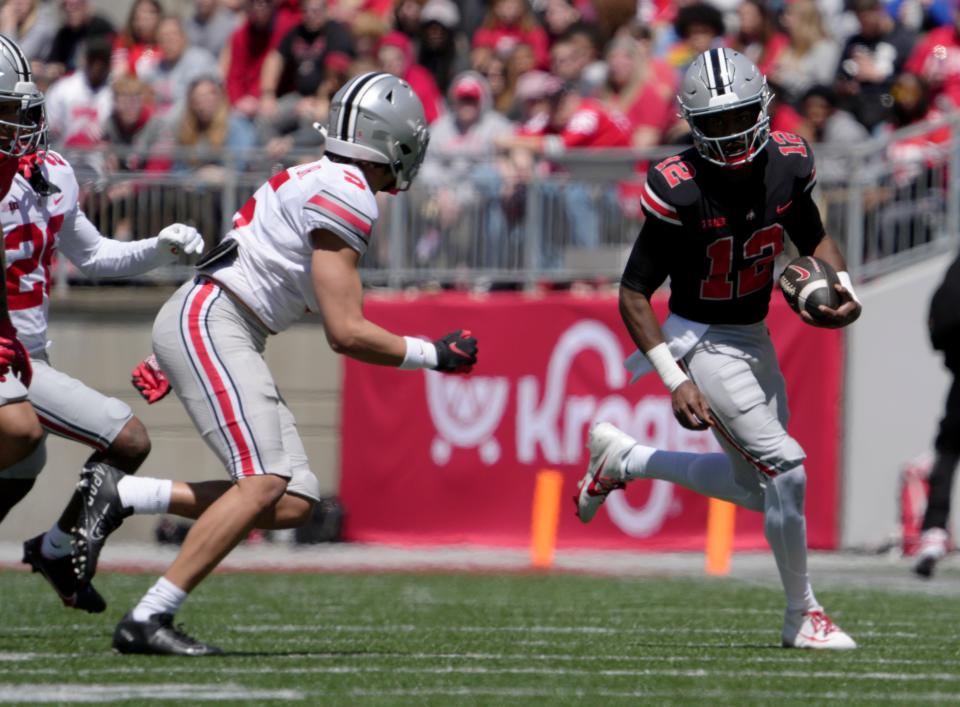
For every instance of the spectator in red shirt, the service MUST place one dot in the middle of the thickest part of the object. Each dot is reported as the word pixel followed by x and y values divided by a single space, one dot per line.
pixel 511 22
pixel 395 55
pixel 243 57
pixel 757 38
pixel 936 59
pixel 136 45
pixel 641 88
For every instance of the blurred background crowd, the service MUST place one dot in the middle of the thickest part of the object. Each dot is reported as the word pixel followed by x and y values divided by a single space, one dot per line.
pixel 592 73
pixel 506 84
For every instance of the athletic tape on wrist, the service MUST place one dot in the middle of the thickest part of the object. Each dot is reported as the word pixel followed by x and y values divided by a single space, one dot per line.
pixel 419 354
pixel 666 367
pixel 847 283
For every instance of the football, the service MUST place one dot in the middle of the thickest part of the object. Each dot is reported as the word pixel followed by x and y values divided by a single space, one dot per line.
pixel 807 283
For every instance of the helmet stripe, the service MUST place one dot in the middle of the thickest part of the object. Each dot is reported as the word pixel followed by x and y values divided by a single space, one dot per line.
pixel 711 81
pixel 19 59
pixel 724 68
pixel 718 71
pixel 352 122
pixel 346 109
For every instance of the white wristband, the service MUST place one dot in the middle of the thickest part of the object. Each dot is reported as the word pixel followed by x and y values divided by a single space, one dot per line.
pixel 844 277
pixel 666 367
pixel 420 354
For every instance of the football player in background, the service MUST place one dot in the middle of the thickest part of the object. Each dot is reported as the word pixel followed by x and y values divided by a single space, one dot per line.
pixel 716 218
pixel 40 214
pixel 944 325
pixel 20 431
pixel 295 246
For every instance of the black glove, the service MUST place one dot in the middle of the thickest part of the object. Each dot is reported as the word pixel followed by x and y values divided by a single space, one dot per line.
pixel 456 352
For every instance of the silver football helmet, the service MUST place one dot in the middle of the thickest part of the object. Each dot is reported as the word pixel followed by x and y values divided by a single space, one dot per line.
pixel 378 118
pixel 22 120
pixel 724 99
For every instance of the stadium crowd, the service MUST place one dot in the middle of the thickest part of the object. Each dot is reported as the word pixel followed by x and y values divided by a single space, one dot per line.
pixel 593 73
pixel 510 83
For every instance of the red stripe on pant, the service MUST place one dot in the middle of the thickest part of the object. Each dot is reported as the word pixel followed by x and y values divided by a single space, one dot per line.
pixel 70 434
pixel 216 383
pixel 729 437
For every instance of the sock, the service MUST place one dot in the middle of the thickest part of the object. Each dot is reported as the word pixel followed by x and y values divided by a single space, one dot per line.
pixel 164 597
pixel 786 530
pixel 145 495
pixel 56 543
pixel 708 474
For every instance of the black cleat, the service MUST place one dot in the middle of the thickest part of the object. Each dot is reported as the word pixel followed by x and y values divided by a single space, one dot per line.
pixel 157 636
pixel 59 573
pixel 100 514
pixel 924 567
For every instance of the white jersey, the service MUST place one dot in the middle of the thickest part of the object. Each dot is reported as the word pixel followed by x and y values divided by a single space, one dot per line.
pixel 272 270
pixel 35 227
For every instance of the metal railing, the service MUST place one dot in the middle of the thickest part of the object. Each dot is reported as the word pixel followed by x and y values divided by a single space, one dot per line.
pixel 889 201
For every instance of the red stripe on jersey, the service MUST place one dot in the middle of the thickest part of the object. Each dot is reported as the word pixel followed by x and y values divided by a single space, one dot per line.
pixel 348 216
pixel 278 180
pixel 70 434
pixel 729 437
pixel 651 201
pixel 216 384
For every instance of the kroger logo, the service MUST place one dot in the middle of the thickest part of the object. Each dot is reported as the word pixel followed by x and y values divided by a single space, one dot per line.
pixel 551 425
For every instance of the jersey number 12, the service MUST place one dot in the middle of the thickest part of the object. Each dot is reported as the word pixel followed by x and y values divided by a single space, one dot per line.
pixel 760 250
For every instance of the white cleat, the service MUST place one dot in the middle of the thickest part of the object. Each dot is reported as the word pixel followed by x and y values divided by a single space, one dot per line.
pixel 814 629
pixel 933 548
pixel 605 473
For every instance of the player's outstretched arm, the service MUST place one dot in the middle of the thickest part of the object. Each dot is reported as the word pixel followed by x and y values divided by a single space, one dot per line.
pixel 339 291
pixel 98 256
pixel 850 308
pixel 689 406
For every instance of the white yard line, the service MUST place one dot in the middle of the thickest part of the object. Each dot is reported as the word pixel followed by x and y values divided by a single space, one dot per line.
pixel 579 630
pixel 704 673
pixel 33 694
pixel 506 692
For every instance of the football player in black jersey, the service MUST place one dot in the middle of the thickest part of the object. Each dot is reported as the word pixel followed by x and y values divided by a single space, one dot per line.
pixel 717 215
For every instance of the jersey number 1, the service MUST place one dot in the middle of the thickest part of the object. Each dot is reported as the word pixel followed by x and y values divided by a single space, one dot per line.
pixel 762 247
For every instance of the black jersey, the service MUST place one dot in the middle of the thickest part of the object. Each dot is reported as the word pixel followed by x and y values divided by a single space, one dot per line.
pixel 716 232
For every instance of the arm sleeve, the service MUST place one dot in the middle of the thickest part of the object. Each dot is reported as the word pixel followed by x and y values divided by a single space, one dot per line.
pixel 802 220
pixel 98 256
pixel 803 224
pixel 648 265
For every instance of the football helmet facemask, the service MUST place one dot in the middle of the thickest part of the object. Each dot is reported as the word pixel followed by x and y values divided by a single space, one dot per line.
pixel 724 99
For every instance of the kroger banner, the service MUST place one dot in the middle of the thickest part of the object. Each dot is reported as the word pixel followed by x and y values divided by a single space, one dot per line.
pixel 428 458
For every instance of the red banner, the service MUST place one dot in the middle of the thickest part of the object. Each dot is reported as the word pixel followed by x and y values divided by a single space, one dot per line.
pixel 435 459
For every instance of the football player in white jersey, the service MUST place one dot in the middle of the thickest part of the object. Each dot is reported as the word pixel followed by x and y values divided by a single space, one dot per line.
pixel 294 247
pixel 39 214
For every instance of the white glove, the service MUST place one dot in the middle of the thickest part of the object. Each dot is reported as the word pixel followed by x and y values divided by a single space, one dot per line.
pixel 178 238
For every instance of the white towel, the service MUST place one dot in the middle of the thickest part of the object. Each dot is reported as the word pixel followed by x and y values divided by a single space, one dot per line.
pixel 681 336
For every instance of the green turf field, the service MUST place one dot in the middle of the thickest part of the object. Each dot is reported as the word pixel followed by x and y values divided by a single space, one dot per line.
pixel 460 639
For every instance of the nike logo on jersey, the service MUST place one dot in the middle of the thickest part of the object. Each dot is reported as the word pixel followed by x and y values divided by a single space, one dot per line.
pixel 57 200
pixel 784 207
